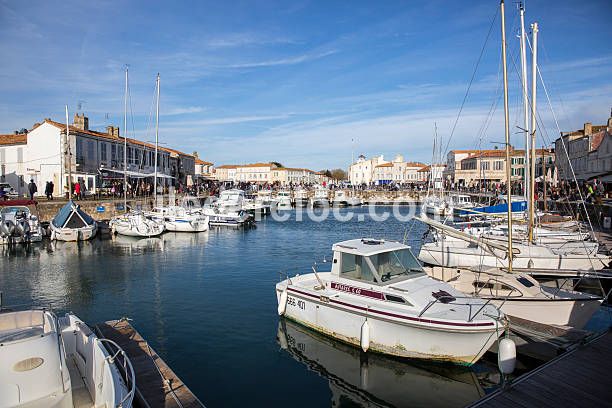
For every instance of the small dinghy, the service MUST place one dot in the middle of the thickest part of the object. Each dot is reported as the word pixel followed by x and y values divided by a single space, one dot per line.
pixel 378 297
pixel 59 362
pixel 71 223
pixel 135 224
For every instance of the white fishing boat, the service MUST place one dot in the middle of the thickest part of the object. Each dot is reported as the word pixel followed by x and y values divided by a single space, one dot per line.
pixel 71 223
pixel 340 198
pixel 283 198
pixel 136 224
pixel 230 200
pixel 353 200
pixel 47 361
pixel 520 295
pixel 378 297
pixel 180 219
pixel 437 206
pixel 320 197
pixel 18 224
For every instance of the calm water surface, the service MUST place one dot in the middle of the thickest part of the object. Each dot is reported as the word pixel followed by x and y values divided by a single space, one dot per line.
pixel 206 303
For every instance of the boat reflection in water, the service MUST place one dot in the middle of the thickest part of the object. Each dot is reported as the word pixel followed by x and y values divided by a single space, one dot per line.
pixel 375 380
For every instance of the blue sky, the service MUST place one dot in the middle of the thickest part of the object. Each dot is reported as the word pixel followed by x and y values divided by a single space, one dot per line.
pixel 297 81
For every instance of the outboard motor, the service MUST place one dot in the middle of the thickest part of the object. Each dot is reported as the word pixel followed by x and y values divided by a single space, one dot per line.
pixel 22 228
pixel 7 228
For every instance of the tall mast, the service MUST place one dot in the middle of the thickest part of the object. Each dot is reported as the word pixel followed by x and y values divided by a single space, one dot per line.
pixel 156 137
pixel 69 157
pixel 125 141
pixel 534 86
pixel 507 133
pixel 523 43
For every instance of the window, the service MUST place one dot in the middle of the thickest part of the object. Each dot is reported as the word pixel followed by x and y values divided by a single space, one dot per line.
pixel 356 267
pixel 103 152
pixel 79 150
pixel 484 165
pixel 498 165
pixel 395 264
pixel 20 155
pixel 114 152
pixel 90 150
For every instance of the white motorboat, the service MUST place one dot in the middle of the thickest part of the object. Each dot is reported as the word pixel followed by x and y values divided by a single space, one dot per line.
pixel 227 218
pixel 461 202
pixel 18 224
pixel 378 380
pixel 264 197
pixel 340 199
pixel 378 297
pixel 180 219
pixel 230 200
pixel 354 201
pixel 283 198
pixel 71 223
pixel 136 224
pixel 301 198
pixel 520 295
pixel 47 361
pixel 321 197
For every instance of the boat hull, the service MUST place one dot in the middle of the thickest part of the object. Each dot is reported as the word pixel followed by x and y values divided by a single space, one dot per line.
pixel 184 225
pixel 388 336
pixel 73 234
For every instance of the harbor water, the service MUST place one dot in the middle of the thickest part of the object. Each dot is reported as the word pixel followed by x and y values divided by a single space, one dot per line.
pixel 206 303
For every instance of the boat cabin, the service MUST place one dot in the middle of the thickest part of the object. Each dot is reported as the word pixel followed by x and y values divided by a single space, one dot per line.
pixel 374 261
pixel 231 197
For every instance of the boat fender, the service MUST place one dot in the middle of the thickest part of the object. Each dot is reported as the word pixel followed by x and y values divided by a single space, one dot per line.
pixel 365 336
pixel 507 356
pixel 282 302
pixel 530 263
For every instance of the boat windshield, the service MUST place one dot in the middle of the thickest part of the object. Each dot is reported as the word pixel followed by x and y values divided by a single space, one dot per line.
pixel 229 197
pixel 395 264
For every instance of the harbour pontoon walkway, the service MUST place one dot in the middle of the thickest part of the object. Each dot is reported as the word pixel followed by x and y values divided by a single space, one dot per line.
pixel 577 378
pixel 157 386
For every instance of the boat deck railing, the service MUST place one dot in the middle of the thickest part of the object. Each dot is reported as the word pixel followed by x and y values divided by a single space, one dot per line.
pixel 471 306
pixel 120 359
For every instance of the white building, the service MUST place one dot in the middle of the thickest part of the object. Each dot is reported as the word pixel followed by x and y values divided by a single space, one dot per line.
pixel 45 154
pixel 363 171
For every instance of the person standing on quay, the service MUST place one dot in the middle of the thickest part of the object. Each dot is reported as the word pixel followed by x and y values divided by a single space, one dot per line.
pixel 77 190
pixel 32 189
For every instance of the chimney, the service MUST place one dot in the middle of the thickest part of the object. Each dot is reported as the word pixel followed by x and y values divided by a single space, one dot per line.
pixel 588 129
pixel 81 121
pixel 610 122
pixel 113 131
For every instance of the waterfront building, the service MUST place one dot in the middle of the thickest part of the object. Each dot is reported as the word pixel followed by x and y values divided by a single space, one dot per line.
pixel 203 169
pixel 467 167
pixel 45 154
pixel 433 175
pixel 363 170
pixel 589 150
pixel 268 173
pixel 378 171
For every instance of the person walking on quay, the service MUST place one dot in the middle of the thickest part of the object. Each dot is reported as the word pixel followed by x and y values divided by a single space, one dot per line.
pixel 32 189
pixel 49 190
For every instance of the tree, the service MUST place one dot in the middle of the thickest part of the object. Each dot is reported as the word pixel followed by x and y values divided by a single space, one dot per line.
pixel 338 174
pixel 277 164
pixel 196 155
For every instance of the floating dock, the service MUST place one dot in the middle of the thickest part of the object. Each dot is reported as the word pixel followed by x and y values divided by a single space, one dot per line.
pixel 157 386
pixel 577 378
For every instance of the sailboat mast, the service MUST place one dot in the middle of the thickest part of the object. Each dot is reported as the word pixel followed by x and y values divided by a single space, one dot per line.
pixel 534 86
pixel 69 157
pixel 156 138
pixel 125 97
pixel 523 42
pixel 507 133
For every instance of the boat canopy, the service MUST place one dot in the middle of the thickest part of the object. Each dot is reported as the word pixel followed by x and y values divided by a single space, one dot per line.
pixel 71 216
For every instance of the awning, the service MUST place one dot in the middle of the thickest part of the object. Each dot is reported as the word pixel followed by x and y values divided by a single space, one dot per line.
pixel 136 174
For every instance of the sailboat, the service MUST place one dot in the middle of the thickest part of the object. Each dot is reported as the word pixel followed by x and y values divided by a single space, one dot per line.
pixel 464 261
pixel 135 223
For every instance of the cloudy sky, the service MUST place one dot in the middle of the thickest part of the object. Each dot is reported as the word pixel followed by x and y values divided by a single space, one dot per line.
pixel 301 82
